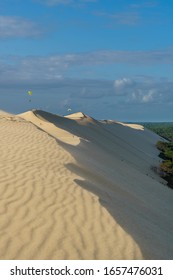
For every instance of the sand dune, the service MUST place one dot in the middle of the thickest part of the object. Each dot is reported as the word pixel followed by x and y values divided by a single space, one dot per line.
pixel 76 188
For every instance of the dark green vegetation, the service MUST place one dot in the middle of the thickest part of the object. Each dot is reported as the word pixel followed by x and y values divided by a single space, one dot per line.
pixel 165 130
pixel 166 167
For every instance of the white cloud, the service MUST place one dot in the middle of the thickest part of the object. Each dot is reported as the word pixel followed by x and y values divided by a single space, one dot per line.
pixel 164 56
pixel 46 76
pixel 14 27
pixel 131 14
pixel 58 64
pixel 149 96
pixel 147 93
pixel 122 83
pixel 57 71
pixel 53 67
pixel 143 90
pixel 123 86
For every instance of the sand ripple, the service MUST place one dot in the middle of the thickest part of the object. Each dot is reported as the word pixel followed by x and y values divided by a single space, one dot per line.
pixel 78 188
pixel 44 213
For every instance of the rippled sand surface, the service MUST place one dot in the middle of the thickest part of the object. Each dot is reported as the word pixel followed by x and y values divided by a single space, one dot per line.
pixel 77 188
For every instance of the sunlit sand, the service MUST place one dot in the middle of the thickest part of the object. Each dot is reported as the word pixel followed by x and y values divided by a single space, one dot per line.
pixel 77 188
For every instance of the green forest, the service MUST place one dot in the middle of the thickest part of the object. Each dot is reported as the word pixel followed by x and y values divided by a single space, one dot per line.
pixel 165 130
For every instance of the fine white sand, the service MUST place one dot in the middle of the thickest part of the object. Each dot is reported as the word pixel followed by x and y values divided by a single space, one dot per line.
pixel 77 188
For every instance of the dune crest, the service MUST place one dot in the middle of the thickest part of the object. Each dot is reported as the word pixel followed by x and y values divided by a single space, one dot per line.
pixel 78 115
pixel 77 188
pixel 134 126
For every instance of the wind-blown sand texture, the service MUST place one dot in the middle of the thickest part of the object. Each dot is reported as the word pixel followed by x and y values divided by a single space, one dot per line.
pixel 77 188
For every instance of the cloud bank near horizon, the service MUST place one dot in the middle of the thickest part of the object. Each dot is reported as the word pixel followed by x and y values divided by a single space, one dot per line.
pixel 53 74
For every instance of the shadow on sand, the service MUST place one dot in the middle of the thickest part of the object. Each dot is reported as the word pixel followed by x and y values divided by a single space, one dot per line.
pixel 144 221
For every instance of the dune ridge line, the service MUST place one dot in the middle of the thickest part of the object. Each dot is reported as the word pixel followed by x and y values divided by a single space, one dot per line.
pixel 74 187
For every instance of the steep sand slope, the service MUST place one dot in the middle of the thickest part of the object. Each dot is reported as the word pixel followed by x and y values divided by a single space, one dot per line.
pixel 78 188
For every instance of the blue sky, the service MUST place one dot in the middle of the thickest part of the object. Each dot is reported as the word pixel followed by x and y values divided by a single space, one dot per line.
pixel 112 59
